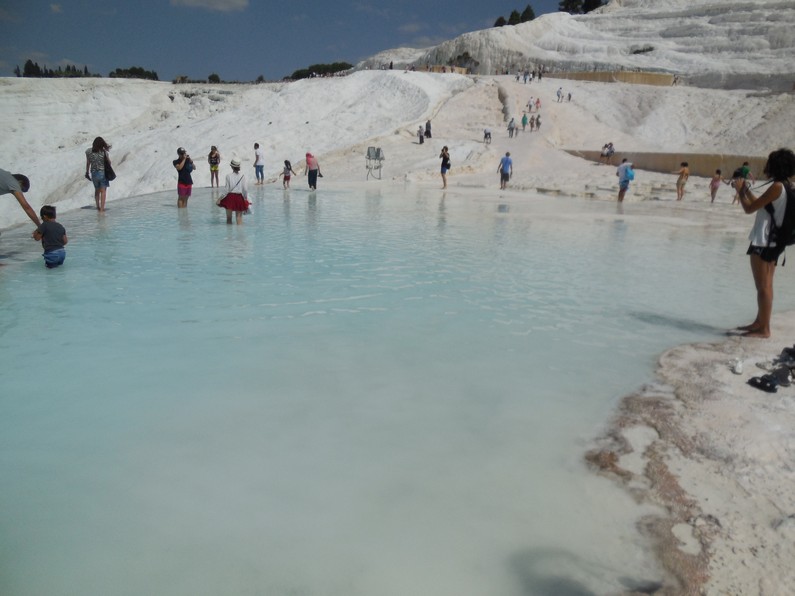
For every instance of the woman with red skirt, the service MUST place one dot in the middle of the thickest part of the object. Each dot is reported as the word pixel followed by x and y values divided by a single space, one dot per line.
pixel 236 198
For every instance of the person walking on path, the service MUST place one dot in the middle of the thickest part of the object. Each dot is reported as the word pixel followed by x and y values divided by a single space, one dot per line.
pixel 53 238
pixel 312 170
pixel 765 250
pixel 259 164
pixel 95 170
pixel 18 185
pixel 684 174
pixel 524 121
pixel 511 128
pixel 427 129
pixel 625 175
pixel 214 159
pixel 538 122
pixel 236 198
pixel 445 157
pixel 184 166
pixel 505 169
pixel 420 135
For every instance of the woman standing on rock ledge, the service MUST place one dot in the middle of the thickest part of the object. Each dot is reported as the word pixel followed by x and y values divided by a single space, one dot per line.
pixel 765 249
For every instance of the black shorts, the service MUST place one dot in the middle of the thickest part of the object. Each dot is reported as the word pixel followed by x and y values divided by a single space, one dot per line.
pixel 769 254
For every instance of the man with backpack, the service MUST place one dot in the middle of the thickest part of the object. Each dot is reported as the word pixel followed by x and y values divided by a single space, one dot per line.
pixel 773 231
pixel 625 175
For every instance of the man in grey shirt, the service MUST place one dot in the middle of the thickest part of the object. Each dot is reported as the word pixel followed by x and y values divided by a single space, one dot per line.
pixel 17 184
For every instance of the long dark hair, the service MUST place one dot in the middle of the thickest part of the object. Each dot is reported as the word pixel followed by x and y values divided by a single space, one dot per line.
pixel 99 145
pixel 780 165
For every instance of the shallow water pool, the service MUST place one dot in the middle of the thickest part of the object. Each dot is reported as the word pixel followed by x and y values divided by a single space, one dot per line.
pixel 366 392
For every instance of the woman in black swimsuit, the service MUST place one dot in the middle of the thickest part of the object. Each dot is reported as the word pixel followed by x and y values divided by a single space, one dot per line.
pixel 445 156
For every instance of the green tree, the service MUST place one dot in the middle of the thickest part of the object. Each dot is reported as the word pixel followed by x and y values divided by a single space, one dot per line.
pixel 589 5
pixel 570 6
pixel 500 22
pixel 17 71
pixel 320 70
pixel 31 69
pixel 515 18
pixel 528 14
pixel 214 78
pixel 134 72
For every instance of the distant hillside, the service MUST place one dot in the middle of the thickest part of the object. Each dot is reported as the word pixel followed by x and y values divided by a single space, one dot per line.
pixel 710 43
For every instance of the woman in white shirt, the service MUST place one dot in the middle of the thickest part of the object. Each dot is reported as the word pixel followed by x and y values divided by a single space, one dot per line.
pixel 236 197
pixel 765 249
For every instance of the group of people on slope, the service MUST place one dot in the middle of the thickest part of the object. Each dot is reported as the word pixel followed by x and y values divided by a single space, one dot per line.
pixel 513 127
pixel 424 133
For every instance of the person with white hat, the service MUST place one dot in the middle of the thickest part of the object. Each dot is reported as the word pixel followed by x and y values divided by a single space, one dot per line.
pixel 236 197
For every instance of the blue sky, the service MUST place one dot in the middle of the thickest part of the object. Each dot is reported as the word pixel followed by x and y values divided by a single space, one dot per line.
pixel 237 39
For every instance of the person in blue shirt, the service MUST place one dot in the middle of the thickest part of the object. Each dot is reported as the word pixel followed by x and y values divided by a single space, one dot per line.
pixel 505 169
pixel 625 175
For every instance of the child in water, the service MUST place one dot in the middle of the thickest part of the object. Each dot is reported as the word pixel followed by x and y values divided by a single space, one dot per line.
pixel 287 173
pixel 53 238
pixel 214 159
pixel 714 185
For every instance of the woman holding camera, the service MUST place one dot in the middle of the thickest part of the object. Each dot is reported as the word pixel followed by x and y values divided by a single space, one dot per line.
pixel 184 166
pixel 764 249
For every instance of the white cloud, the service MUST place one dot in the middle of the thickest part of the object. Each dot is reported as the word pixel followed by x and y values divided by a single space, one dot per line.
pixel 379 10
pixel 56 8
pixel 217 5
pixel 412 27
